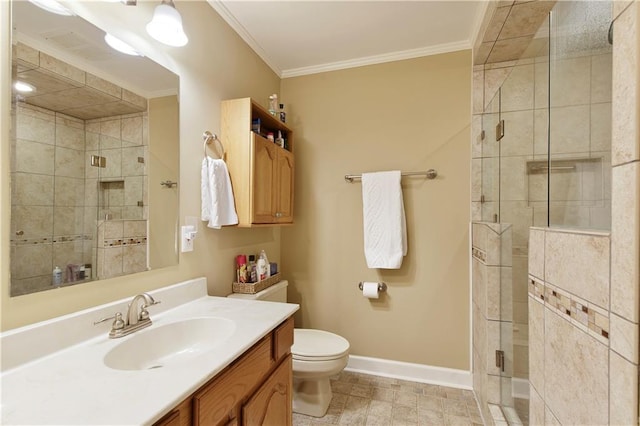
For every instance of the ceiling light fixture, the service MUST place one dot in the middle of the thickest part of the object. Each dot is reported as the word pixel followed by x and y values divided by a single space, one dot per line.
pixel 53 6
pixel 120 46
pixel 166 25
pixel 23 87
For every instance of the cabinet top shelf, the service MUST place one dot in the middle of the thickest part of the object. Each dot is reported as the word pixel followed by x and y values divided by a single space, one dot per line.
pixel 258 111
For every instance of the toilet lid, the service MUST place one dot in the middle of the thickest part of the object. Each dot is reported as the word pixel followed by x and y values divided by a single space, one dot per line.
pixel 318 345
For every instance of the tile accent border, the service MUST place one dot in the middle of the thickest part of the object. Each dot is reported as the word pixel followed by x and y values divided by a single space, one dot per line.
pixel 588 317
pixel 54 239
pixel 118 242
pixel 481 255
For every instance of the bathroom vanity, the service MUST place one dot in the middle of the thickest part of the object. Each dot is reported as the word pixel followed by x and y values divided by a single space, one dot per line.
pixel 254 390
pixel 203 361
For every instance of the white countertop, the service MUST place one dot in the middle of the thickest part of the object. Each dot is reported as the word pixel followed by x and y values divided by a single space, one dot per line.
pixel 71 385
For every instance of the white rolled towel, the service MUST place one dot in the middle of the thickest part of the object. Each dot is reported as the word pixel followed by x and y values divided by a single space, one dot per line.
pixel 385 228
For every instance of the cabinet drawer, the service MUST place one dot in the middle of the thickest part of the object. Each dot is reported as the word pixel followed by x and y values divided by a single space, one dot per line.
pixel 217 402
pixel 283 339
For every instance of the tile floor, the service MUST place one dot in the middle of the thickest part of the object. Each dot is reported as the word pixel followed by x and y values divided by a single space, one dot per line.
pixel 360 399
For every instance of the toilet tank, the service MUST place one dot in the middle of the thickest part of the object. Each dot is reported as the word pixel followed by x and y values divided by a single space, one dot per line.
pixel 274 293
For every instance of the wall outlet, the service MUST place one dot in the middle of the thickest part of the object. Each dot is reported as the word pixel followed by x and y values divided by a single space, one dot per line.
pixel 188 235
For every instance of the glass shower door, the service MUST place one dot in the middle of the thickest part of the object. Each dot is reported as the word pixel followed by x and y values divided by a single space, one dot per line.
pixel 490 198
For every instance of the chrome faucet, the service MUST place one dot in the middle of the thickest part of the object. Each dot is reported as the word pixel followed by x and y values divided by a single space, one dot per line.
pixel 135 320
pixel 133 317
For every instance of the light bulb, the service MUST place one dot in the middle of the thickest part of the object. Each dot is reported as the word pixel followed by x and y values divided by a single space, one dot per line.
pixel 166 25
pixel 120 45
pixel 23 87
pixel 53 6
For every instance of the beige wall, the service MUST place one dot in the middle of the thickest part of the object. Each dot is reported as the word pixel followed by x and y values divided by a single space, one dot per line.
pixel 215 65
pixel 409 115
pixel 163 214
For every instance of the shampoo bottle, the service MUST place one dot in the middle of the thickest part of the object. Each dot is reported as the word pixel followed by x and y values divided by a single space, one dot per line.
pixel 261 269
pixel 263 255
pixel 56 279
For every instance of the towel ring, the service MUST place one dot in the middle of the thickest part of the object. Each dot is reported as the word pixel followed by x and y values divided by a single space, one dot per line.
pixel 209 137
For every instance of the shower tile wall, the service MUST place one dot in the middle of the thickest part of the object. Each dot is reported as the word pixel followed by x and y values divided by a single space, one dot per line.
pixel 580 130
pixel 118 193
pixel 491 257
pixel 54 208
pixel 579 375
pixel 523 196
pixel 48 197
pixel 583 367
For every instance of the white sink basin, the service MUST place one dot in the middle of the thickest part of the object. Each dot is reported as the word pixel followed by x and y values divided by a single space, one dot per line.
pixel 169 344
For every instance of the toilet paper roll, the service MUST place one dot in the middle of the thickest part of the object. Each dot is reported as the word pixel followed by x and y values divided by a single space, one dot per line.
pixel 370 290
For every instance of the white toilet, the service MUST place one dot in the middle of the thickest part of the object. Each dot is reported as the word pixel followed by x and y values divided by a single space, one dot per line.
pixel 317 356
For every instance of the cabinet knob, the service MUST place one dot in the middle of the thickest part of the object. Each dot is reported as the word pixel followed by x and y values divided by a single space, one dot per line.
pixel 278 214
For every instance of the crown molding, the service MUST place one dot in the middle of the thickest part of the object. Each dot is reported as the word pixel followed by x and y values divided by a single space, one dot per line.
pixel 222 10
pixel 379 59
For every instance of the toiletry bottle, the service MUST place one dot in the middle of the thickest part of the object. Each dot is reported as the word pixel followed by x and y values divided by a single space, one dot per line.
pixel 82 272
pixel 283 115
pixel 280 140
pixel 263 255
pixel 253 276
pixel 241 268
pixel 56 279
pixel 261 269
pixel 273 104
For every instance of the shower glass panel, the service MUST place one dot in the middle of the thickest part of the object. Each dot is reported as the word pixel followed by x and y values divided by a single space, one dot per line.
pixel 491 162
pixel 514 195
pixel 580 115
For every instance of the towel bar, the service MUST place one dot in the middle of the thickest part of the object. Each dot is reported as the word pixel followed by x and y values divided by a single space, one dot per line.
pixel 429 174
pixel 381 286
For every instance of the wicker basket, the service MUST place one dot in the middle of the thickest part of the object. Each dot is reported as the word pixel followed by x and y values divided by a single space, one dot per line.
pixel 252 288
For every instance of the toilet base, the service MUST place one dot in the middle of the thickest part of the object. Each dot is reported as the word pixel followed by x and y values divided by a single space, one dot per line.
pixel 311 397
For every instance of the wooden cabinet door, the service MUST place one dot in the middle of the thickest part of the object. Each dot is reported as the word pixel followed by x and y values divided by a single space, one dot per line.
pixel 284 181
pixel 171 419
pixel 218 402
pixel 264 172
pixel 271 405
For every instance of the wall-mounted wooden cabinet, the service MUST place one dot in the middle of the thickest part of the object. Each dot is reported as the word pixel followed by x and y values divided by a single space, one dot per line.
pixel 261 171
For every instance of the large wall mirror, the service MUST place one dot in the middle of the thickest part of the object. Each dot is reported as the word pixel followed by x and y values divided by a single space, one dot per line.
pixel 94 156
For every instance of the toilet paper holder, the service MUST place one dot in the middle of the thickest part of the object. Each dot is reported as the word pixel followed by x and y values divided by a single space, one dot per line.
pixel 381 286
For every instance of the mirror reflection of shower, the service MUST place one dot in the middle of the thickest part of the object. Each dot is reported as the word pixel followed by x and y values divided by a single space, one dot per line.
pixel 82 156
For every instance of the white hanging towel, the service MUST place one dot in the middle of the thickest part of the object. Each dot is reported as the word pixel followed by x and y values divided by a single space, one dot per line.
pixel 385 228
pixel 218 206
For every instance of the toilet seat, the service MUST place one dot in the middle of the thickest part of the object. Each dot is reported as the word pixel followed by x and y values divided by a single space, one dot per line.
pixel 318 345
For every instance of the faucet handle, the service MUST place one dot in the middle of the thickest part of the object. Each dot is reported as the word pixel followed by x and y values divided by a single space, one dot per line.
pixel 118 322
pixel 144 314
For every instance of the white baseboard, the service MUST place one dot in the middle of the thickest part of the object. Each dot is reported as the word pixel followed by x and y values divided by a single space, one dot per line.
pixel 461 379
pixel 520 388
